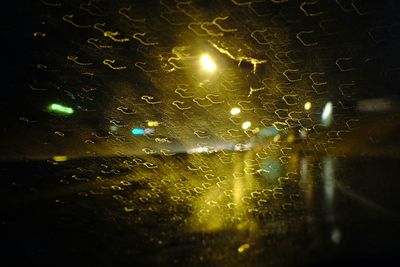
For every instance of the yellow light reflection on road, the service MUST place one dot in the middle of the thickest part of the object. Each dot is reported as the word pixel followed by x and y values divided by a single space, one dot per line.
pixel 291 138
pixel 207 63
pixel 60 158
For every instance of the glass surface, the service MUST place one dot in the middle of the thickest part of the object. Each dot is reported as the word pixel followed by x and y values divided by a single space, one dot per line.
pixel 200 133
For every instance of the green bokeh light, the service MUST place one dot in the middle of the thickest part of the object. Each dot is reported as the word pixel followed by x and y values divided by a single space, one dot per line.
pixel 60 109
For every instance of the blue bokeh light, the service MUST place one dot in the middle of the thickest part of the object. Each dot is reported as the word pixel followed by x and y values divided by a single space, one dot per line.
pixel 137 131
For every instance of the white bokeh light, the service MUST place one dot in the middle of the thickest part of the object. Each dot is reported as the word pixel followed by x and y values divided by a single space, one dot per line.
pixel 246 125
pixel 235 111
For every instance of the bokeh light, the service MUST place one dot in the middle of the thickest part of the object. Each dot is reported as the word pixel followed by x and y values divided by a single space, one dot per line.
pixel 207 63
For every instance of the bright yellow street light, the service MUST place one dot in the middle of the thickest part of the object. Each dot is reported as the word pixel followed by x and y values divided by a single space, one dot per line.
pixel 207 63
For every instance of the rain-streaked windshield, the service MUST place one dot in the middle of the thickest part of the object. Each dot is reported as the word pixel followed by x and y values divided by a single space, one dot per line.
pixel 200 133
